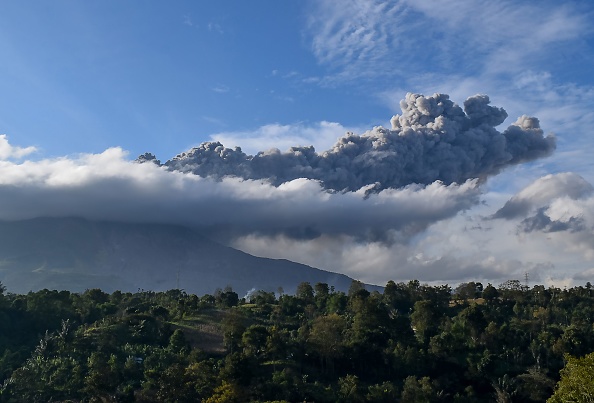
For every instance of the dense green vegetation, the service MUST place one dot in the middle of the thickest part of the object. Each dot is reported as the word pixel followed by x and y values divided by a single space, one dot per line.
pixel 413 343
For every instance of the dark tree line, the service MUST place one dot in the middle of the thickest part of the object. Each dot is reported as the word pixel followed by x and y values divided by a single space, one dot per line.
pixel 411 343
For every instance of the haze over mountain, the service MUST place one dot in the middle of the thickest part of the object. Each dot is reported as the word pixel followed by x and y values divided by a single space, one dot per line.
pixel 77 254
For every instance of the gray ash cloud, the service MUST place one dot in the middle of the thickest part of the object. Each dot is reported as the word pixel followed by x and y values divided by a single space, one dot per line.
pixel 433 139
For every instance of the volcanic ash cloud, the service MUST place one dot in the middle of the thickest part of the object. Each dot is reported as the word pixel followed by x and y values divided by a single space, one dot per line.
pixel 433 139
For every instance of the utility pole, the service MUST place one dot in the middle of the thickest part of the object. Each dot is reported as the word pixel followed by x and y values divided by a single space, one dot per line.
pixel 177 280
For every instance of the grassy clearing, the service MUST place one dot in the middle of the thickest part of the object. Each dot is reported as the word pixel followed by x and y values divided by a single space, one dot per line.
pixel 476 301
pixel 203 331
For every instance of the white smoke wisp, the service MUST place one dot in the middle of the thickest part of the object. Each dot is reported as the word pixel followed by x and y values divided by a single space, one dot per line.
pixel 433 140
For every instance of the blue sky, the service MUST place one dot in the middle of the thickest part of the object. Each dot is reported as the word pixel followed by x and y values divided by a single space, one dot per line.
pixel 83 77
pixel 160 77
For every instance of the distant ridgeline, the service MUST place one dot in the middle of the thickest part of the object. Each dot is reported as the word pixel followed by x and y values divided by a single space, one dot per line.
pixel 76 254
pixel 410 343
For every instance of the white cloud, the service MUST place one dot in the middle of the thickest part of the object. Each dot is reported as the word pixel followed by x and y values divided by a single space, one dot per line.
pixel 221 89
pixel 377 263
pixel 214 27
pixel 8 151
pixel 322 135
pixel 358 38
pixel 508 35
pixel 544 191
pixel 107 186
pixel 556 209
pixel 188 21
pixel 354 38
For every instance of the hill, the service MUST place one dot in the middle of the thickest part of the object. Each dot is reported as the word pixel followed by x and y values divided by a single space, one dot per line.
pixel 76 254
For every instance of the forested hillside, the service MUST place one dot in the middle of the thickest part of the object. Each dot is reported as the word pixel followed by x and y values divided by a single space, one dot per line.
pixel 413 343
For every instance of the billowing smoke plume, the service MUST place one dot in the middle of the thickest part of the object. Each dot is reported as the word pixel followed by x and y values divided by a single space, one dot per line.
pixel 433 139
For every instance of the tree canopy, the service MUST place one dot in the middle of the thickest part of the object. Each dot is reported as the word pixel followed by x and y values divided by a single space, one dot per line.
pixel 411 343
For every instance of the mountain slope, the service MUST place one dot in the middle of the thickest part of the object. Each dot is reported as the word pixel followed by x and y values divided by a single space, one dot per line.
pixel 77 254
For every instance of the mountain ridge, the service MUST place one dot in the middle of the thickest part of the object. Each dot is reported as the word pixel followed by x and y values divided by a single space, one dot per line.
pixel 75 254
